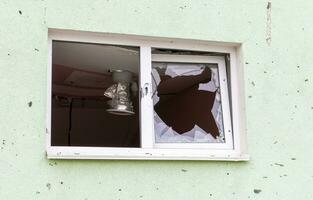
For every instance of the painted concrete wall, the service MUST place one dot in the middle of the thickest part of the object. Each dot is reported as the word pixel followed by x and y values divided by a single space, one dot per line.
pixel 279 100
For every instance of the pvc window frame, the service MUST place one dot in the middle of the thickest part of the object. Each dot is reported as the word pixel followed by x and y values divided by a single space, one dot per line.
pixel 221 66
pixel 234 150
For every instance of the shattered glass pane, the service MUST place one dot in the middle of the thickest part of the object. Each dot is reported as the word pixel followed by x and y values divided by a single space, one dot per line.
pixel 187 103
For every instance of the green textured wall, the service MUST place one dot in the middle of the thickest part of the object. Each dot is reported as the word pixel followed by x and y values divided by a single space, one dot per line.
pixel 279 100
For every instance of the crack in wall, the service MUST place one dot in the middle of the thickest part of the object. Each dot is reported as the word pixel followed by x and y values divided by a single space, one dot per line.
pixel 269 23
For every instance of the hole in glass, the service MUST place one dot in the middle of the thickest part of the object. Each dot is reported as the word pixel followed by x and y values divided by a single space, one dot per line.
pixel 187 103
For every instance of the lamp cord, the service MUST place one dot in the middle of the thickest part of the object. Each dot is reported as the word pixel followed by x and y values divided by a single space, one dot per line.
pixel 70 123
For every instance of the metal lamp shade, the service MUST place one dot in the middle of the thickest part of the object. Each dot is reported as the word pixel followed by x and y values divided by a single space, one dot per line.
pixel 121 103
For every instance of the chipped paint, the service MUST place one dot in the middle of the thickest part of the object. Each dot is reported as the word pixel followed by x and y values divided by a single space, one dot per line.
pixel 257 191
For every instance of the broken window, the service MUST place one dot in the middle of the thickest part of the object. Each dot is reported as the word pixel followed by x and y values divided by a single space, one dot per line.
pixel 187 103
pixel 190 99
pixel 130 97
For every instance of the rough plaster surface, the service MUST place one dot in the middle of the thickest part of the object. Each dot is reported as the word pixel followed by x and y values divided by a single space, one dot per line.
pixel 279 100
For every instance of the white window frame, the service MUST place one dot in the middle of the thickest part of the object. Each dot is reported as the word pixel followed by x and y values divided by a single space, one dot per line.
pixel 227 126
pixel 234 151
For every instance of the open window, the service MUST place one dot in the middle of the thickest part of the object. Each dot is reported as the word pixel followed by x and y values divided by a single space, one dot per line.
pixel 84 80
pixel 130 97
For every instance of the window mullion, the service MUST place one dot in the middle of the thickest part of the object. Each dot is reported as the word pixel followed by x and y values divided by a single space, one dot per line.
pixel 146 111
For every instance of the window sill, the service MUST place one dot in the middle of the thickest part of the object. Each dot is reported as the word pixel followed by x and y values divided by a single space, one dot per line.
pixel 105 153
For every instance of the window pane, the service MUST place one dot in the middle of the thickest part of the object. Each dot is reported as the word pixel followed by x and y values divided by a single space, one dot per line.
pixel 187 103
pixel 81 114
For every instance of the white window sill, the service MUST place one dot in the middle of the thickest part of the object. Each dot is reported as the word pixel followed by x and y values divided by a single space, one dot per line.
pixel 106 153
